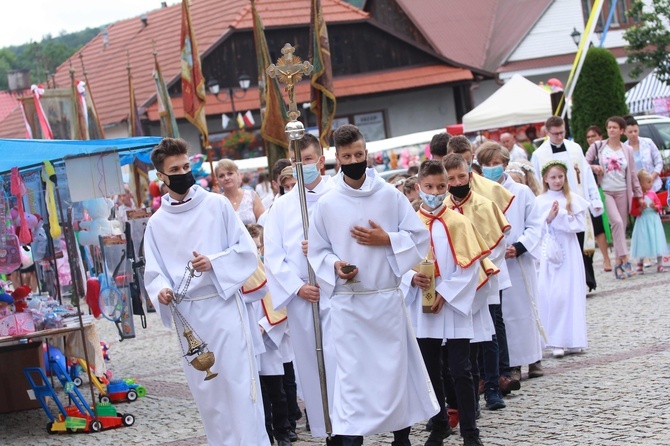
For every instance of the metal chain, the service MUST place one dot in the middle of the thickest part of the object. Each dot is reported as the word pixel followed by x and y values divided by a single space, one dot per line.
pixel 179 294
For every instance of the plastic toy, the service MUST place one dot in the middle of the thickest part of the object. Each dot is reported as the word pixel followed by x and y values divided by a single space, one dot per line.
pixel 117 390
pixel 54 355
pixel 80 416
pixel 105 350
pixel 98 209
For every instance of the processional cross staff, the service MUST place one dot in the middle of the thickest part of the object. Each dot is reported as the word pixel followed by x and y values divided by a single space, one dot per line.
pixel 289 71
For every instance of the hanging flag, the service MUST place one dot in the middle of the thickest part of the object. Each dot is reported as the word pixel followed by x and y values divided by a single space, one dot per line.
pixel 273 108
pixel 192 80
pixel 168 122
pixel 240 121
pixel 80 126
pixel 323 96
pixel 38 91
pixel 95 130
pixel 225 120
pixel 249 119
pixel 134 117
pixel 29 131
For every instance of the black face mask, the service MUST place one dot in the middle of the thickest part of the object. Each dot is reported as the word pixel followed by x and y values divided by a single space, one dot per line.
pixel 355 171
pixel 180 183
pixel 460 191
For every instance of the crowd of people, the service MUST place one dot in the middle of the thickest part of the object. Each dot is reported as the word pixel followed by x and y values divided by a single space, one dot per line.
pixel 400 344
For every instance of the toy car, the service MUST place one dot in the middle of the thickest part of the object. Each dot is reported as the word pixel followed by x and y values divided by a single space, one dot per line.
pixel 76 421
pixel 120 390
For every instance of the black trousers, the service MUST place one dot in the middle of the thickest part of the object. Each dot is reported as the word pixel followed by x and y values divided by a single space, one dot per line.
pixel 276 409
pixel 459 386
pixel 588 264
pixel 291 390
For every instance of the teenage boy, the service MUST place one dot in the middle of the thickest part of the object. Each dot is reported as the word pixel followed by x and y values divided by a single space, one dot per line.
pixel 519 302
pixel 492 225
pixel 197 233
pixel 363 237
pixel 458 252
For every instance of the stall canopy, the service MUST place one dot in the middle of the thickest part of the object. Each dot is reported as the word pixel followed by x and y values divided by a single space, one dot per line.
pixel 27 153
pixel 649 96
pixel 517 102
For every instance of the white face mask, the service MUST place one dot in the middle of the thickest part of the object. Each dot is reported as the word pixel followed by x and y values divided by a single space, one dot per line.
pixel 309 171
pixel 432 201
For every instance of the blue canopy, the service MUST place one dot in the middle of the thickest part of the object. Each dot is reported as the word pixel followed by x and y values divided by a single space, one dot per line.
pixel 27 153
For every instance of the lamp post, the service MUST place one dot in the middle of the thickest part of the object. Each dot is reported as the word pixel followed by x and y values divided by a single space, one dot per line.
pixel 576 36
pixel 231 94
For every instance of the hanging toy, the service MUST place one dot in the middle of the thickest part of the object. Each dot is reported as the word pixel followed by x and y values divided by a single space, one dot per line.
pixel 18 188
pixel 49 177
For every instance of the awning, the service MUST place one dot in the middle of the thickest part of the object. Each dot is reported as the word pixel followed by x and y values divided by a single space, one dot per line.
pixel 27 153
pixel 640 98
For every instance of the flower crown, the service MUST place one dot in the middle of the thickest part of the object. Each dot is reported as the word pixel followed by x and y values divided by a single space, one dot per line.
pixel 553 163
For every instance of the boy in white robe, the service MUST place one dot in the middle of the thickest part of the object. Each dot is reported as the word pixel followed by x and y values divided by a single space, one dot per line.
pixel 520 301
pixel 201 230
pixel 459 251
pixel 287 273
pixel 381 383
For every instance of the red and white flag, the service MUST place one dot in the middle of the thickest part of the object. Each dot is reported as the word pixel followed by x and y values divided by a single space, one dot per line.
pixel 249 119
pixel 38 91
pixel 29 131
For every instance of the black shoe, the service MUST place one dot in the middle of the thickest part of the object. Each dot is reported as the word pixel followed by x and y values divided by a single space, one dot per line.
pixel 283 442
pixel 401 443
pixel 334 441
pixel 292 436
pixel 493 400
pixel 438 434
pixel 472 441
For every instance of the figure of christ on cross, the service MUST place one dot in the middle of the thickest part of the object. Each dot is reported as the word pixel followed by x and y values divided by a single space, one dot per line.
pixel 289 70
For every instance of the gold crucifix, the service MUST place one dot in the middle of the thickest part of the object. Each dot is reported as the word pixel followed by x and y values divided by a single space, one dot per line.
pixel 289 70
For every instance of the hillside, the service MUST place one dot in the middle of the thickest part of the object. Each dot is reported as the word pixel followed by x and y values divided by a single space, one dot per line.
pixel 43 57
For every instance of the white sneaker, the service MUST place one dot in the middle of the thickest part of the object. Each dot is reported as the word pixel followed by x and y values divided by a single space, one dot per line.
pixel 558 352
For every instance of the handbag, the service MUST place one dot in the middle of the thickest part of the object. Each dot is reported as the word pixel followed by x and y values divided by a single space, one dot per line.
pixel 551 249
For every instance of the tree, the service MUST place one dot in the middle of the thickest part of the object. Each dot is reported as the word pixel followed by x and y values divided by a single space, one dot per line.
pixel 7 61
pixel 599 94
pixel 649 40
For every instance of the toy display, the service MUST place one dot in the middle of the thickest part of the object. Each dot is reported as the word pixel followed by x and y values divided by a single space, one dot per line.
pixel 80 416
pixel 99 225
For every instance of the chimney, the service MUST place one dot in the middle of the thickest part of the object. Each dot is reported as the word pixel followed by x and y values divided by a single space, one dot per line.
pixel 163 4
pixel 105 38
pixel 145 20
pixel 18 80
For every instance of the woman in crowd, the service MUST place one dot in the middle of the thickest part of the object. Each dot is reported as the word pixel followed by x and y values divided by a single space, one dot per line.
pixel 600 224
pixel 646 154
pixel 246 203
pixel 614 164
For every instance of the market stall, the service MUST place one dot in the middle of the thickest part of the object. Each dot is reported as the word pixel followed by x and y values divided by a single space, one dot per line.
pixel 52 181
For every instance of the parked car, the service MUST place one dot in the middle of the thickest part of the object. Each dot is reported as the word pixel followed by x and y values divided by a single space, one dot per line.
pixel 658 129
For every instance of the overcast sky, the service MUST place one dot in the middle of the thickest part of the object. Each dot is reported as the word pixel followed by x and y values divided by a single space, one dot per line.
pixel 26 20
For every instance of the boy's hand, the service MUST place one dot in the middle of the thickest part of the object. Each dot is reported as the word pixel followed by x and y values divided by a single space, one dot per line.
pixel 341 274
pixel 309 293
pixel 201 262
pixel 510 252
pixel 439 303
pixel 371 237
pixel 421 280
pixel 165 296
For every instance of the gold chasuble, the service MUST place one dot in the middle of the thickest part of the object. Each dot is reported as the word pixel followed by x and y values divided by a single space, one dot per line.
pixel 254 283
pixel 466 243
pixel 492 190
pixel 484 214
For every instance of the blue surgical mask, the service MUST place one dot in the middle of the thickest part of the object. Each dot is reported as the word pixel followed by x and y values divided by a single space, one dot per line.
pixel 309 172
pixel 432 201
pixel 493 173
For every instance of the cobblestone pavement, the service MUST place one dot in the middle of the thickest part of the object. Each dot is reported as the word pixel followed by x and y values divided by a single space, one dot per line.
pixel 617 393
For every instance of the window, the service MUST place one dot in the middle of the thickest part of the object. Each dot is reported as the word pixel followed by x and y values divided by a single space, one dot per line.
pixel 620 18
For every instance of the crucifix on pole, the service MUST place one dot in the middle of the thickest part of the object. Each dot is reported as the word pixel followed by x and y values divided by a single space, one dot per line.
pixel 289 71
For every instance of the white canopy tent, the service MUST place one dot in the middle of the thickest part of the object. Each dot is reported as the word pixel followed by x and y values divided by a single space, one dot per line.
pixel 648 96
pixel 517 102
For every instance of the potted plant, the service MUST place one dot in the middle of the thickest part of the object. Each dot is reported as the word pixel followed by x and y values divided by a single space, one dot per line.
pixel 237 141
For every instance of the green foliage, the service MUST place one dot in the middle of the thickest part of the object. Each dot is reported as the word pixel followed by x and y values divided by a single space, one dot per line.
pixel 649 40
pixel 43 57
pixel 599 94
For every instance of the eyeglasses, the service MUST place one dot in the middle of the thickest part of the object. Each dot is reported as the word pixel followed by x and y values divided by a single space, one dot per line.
pixel 557 133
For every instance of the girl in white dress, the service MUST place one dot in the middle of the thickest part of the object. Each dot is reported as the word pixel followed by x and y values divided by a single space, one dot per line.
pixel 562 301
